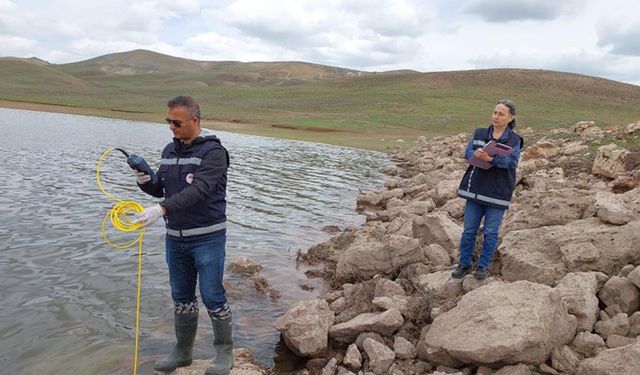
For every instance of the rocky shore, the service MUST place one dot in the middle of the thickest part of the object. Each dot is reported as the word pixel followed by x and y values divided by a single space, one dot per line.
pixel 563 296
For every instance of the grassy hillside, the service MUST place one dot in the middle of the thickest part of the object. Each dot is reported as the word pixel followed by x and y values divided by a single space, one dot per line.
pixel 319 103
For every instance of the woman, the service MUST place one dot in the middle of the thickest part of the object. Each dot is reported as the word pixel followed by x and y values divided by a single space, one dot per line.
pixel 488 191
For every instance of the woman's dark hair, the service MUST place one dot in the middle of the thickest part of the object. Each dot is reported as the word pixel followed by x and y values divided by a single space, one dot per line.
pixel 512 109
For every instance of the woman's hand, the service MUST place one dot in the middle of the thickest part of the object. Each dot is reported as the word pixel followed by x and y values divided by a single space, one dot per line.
pixel 482 155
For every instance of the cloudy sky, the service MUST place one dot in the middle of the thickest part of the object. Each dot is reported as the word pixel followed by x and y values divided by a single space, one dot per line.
pixel 593 37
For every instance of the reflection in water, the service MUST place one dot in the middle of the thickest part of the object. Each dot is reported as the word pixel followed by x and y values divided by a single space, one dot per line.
pixel 69 299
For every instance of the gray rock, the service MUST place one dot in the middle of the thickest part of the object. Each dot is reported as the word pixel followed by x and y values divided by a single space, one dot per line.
pixel 534 209
pixel 634 276
pixel 565 360
pixel 578 292
pixel 619 361
pixel 514 370
pixel 612 160
pixel 545 369
pixel 470 283
pixel 404 349
pixel 404 250
pixel 436 255
pixel 380 356
pixel 398 302
pixel 588 344
pixel 438 228
pixel 618 208
pixel 618 325
pixel 481 329
pixel 344 371
pixel 388 288
pixel 305 327
pixel 385 323
pixel 353 358
pixel 363 336
pixel 544 255
pixel 634 323
pixel 622 292
pixel 244 364
pixel 616 341
pixel 331 367
pixel 626 270
pixel 440 285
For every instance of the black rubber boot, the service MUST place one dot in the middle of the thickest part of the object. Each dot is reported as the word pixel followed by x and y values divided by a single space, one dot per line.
pixel 186 326
pixel 223 343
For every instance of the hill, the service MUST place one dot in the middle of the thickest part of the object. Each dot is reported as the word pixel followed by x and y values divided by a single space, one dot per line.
pixel 319 103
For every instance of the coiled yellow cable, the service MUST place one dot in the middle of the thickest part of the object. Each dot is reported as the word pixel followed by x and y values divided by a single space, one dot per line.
pixel 120 217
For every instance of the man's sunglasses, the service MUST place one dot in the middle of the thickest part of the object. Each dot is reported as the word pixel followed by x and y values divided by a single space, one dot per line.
pixel 176 123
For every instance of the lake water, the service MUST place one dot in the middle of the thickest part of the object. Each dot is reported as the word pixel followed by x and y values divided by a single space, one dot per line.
pixel 68 299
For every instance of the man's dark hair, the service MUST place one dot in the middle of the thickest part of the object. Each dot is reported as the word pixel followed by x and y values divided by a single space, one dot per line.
pixel 192 106
pixel 512 109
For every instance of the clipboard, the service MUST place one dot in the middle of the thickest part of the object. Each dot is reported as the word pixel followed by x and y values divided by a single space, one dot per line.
pixel 493 149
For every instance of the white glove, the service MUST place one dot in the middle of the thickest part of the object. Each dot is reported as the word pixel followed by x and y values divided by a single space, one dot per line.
pixel 150 215
pixel 141 177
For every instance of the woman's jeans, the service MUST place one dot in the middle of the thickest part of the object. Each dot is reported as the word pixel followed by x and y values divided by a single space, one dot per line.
pixel 188 259
pixel 473 213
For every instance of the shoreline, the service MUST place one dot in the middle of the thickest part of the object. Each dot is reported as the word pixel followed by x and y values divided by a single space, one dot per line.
pixel 384 140
pixel 394 308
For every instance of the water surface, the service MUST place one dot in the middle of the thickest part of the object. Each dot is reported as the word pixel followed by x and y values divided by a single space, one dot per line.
pixel 68 299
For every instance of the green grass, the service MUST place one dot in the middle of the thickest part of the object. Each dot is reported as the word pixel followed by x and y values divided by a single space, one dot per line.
pixel 319 103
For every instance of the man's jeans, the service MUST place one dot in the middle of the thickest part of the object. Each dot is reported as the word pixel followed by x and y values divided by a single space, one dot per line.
pixel 473 213
pixel 189 258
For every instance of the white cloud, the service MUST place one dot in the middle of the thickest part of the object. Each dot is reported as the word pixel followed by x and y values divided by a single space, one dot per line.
pixel 589 37
pixel 516 10
pixel 17 46
pixel 622 37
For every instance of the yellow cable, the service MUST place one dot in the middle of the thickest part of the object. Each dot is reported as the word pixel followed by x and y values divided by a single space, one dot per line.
pixel 120 217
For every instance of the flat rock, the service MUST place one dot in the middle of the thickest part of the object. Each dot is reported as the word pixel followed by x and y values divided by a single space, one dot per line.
pixel 380 356
pixel 619 361
pixel 384 323
pixel 544 255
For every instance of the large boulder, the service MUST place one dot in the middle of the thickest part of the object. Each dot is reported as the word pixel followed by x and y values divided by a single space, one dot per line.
pixel 578 292
pixel 544 255
pixel 619 361
pixel 305 327
pixel 520 322
pixel 384 323
pixel 533 209
pixel 612 160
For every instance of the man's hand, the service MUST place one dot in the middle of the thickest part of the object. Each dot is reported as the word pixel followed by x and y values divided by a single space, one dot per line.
pixel 150 215
pixel 141 177
pixel 482 155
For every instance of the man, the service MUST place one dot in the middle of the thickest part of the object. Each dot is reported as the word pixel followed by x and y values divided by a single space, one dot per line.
pixel 192 178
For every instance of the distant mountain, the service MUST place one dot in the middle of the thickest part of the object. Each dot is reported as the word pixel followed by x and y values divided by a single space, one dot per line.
pixel 140 62
pixel 320 99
